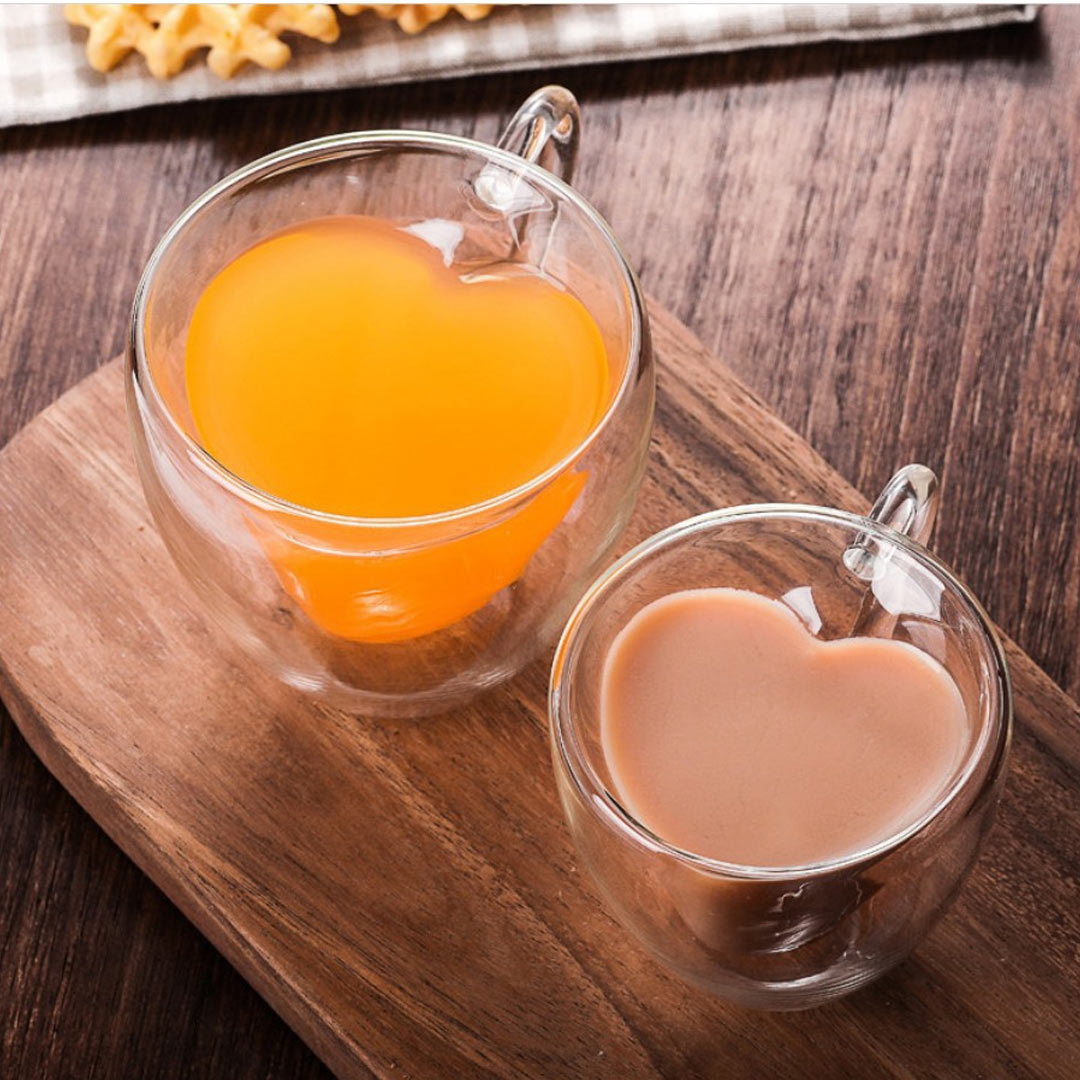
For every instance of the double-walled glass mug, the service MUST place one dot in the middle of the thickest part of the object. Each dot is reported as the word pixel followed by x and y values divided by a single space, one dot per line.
pixel 398 616
pixel 797 936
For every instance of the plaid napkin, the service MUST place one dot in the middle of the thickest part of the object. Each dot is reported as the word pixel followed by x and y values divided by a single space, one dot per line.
pixel 44 74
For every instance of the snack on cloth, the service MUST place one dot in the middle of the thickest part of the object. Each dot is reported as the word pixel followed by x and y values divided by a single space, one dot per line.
pixel 412 18
pixel 167 34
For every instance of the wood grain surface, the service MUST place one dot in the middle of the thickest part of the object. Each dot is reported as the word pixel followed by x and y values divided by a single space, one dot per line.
pixel 881 240
pixel 405 893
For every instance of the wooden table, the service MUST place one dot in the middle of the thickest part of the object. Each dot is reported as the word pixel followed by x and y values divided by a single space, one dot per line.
pixel 882 240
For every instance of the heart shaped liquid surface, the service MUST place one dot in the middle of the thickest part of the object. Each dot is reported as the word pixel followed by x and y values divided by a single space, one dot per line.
pixel 733 733
pixel 346 366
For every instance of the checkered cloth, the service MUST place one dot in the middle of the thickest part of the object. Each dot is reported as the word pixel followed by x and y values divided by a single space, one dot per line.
pixel 44 74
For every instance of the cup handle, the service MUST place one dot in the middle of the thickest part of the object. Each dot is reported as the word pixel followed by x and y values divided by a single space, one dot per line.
pixel 546 131
pixel 908 504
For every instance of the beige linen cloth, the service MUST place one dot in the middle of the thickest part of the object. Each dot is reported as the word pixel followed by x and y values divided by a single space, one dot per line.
pixel 44 74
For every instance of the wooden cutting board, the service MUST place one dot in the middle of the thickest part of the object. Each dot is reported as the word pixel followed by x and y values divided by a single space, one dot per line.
pixel 405 894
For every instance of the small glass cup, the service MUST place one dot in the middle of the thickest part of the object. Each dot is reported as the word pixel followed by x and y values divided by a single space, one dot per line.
pixel 793 937
pixel 397 616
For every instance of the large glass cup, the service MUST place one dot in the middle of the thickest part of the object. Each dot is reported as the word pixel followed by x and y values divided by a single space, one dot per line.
pixel 399 616
pixel 788 937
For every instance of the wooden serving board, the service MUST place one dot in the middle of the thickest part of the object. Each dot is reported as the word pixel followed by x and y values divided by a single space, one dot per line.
pixel 405 894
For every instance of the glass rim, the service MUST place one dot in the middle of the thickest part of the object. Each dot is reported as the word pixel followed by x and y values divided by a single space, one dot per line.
pixel 595 792
pixel 342 145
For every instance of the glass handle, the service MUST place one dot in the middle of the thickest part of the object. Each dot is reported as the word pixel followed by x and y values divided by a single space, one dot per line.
pixel 546 131
pixel 908 504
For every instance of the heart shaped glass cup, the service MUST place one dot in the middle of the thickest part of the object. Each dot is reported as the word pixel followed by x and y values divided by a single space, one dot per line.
pixel 411 615
pixel 795 936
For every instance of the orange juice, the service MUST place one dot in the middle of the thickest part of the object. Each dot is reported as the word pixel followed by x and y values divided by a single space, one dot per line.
pixel 346 366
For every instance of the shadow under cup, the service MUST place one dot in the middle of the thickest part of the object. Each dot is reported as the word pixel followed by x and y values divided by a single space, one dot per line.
pixel 392 616
pixel 783 938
